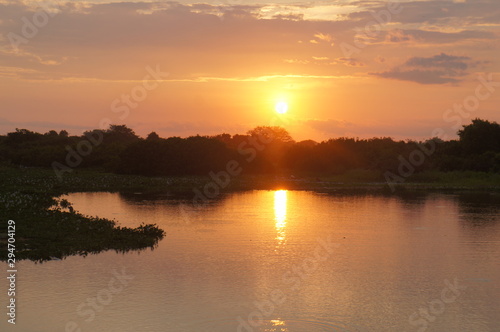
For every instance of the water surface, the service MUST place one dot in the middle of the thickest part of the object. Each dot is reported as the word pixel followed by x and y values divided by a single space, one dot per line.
pixel 279 261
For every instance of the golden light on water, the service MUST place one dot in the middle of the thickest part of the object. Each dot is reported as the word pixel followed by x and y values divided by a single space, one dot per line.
pixel 277 322
pixel 278 326
pixel 280 206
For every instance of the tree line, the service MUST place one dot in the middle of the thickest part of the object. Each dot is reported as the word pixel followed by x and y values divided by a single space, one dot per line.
pixel 262 150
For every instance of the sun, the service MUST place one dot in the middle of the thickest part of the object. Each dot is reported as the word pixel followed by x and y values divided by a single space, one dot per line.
pixel 281 107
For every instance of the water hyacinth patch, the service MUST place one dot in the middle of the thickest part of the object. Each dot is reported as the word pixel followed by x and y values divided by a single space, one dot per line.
pixel 49 228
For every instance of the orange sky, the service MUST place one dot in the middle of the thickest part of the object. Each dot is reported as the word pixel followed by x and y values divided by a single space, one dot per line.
pixel 229 62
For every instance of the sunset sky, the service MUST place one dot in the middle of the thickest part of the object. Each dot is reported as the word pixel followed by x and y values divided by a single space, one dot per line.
pixel 230 61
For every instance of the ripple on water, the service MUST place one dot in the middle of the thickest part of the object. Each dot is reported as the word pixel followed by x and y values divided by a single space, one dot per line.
pixel 276 325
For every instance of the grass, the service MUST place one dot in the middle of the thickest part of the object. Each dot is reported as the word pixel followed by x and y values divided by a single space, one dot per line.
pixel 368 180
pixel 47 227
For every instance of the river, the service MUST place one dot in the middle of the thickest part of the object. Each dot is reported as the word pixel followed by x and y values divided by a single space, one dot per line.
pixel 278 261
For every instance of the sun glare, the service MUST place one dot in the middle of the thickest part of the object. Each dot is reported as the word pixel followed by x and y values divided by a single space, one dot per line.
pixel 281 107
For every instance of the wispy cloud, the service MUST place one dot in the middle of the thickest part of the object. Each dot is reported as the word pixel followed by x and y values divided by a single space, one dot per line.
pixel 264 78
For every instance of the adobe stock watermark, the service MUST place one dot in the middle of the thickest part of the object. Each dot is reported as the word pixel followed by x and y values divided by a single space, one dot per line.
pixel 292 280
pixel 371 29
pixel 428 314
pixel 456 115
pixel 88 310
pixel 121 106
pixel 31 26
pixel 250 148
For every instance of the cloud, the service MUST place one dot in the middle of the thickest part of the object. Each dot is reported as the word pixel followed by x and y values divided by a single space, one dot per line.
pixel 420 76
pixel 297 61
pixel 290 17
pixel 438 12
pixel 442 60
pixel 323 37
pixel 265 78
pixel 420 37
pixel 399 36
pixel 326 61
pixel 115 41
pixel 321 58
pixel 438 69
pixel 350 62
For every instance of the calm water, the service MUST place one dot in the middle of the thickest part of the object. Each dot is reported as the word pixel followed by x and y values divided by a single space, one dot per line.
pixel 279 261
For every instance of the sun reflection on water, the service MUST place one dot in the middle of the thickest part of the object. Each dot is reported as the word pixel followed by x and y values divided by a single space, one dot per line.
pixel 280 205
pixel 277 326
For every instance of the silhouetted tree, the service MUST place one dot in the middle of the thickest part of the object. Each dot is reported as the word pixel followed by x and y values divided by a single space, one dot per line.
pixel 120 133
pixel 22 136
pixel 274 133
pixel 480 136
pixel 152 136
pixel 51 133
